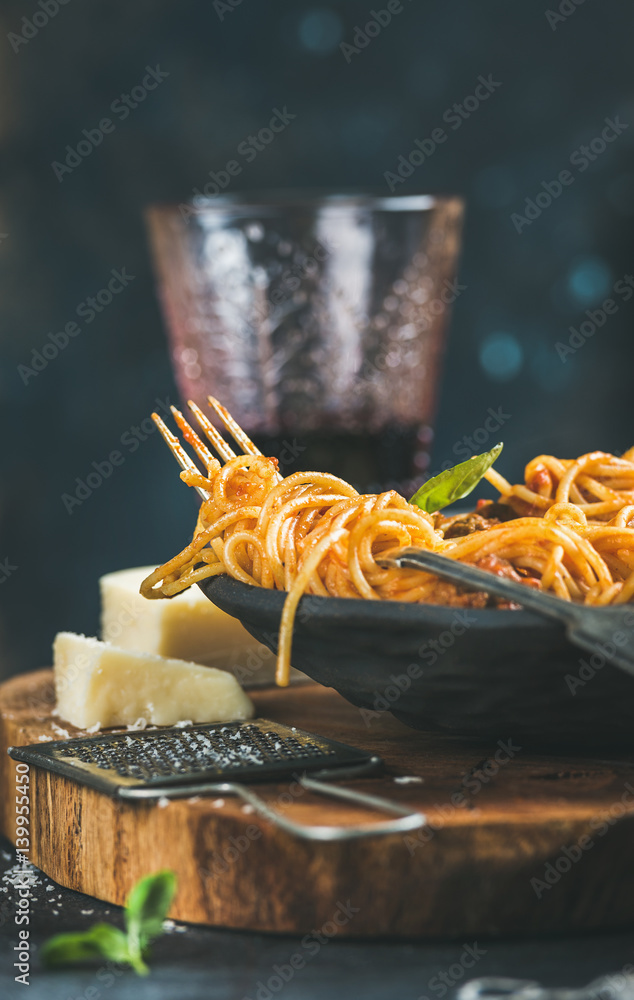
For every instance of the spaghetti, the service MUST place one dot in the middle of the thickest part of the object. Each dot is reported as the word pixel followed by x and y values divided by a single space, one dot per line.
pixel 566 530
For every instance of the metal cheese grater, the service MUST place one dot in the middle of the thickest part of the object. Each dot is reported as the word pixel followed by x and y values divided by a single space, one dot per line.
pixel 176 763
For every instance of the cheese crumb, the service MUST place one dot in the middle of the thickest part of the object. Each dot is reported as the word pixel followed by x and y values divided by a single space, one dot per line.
pixel 139 724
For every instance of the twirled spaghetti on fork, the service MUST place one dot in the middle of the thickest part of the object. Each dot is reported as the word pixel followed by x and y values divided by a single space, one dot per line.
pixel 564 530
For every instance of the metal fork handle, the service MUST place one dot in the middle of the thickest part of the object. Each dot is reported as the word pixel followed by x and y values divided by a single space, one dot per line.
pixel 480 579
pixel 409 820
pixel 593 629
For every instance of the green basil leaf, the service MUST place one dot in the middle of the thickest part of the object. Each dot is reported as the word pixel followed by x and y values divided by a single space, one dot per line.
pixel 146 909
pixel 101 941
pixel 456 483
pixel 147 906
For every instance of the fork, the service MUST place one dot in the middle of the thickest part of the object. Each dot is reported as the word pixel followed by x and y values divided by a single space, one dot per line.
pixel 222 447
pixel 606 631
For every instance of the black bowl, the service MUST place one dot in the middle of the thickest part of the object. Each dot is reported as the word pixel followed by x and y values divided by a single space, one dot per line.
pixel 478 673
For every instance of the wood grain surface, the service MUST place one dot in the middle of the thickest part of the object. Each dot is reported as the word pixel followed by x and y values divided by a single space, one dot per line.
pixel 515 842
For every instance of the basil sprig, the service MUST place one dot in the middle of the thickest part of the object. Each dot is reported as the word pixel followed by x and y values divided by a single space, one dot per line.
pixel 145 911
pixel 146 907
pixel 456 483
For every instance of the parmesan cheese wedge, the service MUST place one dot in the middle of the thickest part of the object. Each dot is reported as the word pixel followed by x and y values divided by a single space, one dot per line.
pixel 99 685
pixel 187 627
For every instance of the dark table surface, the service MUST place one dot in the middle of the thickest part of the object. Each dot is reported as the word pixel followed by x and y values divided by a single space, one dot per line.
pixel 200 963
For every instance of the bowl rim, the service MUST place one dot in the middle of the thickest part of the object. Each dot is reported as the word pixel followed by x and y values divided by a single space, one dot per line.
pixel 377 613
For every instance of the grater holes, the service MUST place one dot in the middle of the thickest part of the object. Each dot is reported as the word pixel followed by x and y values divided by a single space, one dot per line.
pixel 147 756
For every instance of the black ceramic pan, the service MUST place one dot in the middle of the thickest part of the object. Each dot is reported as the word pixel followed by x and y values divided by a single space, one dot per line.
pixel 495 674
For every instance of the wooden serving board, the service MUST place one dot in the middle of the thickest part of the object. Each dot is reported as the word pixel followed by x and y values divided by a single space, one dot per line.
pixel 521 843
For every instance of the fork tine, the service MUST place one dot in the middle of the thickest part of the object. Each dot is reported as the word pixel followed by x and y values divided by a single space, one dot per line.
pixel 224 450
pixel 192 438
pixel 179 453
pixel 234 429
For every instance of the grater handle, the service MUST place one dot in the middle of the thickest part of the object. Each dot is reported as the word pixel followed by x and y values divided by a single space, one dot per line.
pixel 408 819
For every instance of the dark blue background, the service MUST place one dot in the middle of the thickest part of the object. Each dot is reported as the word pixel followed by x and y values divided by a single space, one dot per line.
pixel 558 84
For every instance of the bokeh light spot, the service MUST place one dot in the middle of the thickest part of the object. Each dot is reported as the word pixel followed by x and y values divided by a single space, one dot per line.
pixel 320 30
pixel 589 279
pixel 501 356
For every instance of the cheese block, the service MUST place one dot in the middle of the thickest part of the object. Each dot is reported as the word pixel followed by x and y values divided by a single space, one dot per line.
pixel 98 685
pixel 188 627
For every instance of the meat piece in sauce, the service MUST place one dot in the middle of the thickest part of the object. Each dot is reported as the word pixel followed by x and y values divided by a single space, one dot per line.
pixel 487 514
pixel 495 510
pixel 502 567
pixel 451 596
pixel 465 524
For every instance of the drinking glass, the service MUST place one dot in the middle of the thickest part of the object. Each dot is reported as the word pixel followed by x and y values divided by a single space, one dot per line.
pixel 319 322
